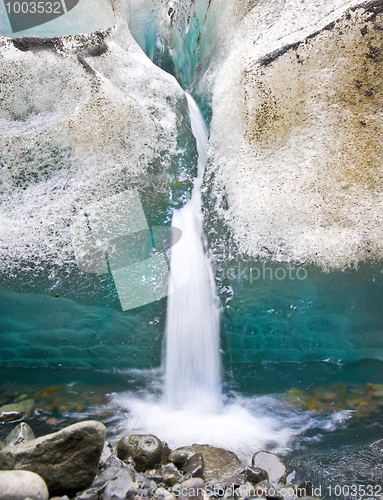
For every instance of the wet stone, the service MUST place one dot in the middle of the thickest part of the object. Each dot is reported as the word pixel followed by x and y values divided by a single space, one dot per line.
pixel 154 475
pixel 20 434
pixel 255 474
pixel 195 465
pixel 107 452
pixel 119 489
pixel 22 485
pixel 16 412
pixel 191 489
pixel 179 457
pixel 67 460
pixel 273 465
pixel 113 473
pixel 304 489
pixel 145 450
pixel 91 494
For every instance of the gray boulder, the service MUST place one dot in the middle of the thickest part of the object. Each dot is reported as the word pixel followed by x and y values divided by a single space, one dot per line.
pixel 67 460
pixel 145 450
pixel 21 485
pixel 20 434
pixel 16 412
pixel 273 465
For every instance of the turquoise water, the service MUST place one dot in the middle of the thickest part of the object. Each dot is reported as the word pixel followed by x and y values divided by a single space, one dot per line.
pixel 334 317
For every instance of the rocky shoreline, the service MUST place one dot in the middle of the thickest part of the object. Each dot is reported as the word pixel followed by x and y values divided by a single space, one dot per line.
pixel 78 463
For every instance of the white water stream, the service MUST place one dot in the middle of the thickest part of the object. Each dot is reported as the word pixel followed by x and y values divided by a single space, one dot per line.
pixel 191 407
pixel 192 367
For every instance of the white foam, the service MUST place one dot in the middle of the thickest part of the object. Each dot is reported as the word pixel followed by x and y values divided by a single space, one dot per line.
pixel 243 425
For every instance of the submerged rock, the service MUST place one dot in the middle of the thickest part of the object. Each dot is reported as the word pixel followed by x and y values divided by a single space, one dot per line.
pixel 16 412
pixel 274 466
pixel 145 450
pixel 20 434
pixel 22 485
pixel 67 460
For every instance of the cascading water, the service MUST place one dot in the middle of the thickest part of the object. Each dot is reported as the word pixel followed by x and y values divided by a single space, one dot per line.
pixel 192 328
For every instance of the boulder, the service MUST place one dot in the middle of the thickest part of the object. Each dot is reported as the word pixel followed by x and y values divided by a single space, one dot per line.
pixel 20 434
pixel 67 460
pixel 273 465
pixel 21 485
pixel 221 467
pixel 145 450
pixel 16 412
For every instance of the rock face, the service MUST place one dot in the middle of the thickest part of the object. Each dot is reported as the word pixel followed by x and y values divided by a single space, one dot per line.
pixel 67 460
pixel 22 485
pixel 220 466
pixel 145 450
pixel 295 152
pixel 20 434
pixel 273 465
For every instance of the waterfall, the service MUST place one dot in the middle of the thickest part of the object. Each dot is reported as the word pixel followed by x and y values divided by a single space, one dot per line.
pixel 192 364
